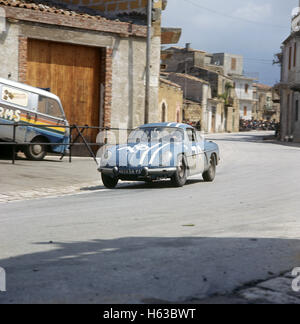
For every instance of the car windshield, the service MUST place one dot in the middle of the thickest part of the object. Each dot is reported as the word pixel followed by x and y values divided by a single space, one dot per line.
pixel 156 134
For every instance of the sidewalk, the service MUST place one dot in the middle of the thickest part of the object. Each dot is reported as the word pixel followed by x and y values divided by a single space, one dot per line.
pixel 51 177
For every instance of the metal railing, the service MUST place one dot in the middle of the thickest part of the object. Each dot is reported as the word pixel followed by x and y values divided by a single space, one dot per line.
pixel 75 134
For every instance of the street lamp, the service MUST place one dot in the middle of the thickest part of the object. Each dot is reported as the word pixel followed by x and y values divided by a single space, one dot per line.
pixel 148 61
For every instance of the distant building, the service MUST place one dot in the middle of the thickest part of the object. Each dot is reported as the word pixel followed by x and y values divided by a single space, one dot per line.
pixel 233 66
pixel 220 110
pixel 198 91
pixel 244 91
pixel 170 101
pixel 290 83
pixel 266 106
pixel 231 63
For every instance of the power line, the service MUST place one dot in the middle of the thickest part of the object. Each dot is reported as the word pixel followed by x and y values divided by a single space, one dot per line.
pixel 233 17
pixel 258 59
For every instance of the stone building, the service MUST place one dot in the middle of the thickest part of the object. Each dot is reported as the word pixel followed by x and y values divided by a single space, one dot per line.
pixel 92 56
pixel 199 105
pixel 244 90
pixel 266 106
pixel 233 67
pixel 231 63
pixel 196 90
pixel 222 89
pixel 289 86
pixel 170 101
pixel 192 112
pixel 220 114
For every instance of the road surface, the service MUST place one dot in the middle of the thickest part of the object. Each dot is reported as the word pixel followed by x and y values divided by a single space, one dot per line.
pixel 146 243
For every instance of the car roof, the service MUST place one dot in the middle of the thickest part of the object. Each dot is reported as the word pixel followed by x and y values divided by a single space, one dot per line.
pixel 28 88
pixel 176 125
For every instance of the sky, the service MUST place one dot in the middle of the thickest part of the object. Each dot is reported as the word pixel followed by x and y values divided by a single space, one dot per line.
pixel 252 28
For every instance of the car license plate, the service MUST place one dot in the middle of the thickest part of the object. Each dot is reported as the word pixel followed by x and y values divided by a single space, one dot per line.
pixel 130 171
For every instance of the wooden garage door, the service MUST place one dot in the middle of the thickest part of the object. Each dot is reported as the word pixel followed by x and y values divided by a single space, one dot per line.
pixel 71 72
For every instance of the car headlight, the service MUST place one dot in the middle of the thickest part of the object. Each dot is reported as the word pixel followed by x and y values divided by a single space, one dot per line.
pixel 166 158
pixel 107 155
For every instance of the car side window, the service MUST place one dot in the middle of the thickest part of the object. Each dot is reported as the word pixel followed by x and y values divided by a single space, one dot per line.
pixel 191 135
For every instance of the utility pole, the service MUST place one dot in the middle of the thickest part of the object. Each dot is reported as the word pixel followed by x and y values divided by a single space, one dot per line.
pixel 148 61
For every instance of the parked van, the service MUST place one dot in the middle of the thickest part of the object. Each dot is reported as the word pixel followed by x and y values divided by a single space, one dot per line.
pixel 30 107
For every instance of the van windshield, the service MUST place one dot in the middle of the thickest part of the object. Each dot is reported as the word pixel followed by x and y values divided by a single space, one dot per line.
pixel 50 107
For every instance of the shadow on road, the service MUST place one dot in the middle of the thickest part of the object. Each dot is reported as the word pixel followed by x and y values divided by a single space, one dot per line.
pixel 141 269
pixel 6 155
pixel 143 185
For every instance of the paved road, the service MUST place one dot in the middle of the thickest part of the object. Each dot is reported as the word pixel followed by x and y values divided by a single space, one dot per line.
pixel 147 243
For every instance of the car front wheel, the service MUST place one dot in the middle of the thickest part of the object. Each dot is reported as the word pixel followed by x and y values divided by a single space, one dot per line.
pixel 180 177
pixel 109 182
pixel 210 174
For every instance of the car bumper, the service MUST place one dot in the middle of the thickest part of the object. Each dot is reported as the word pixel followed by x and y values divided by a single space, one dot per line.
pixel 143 173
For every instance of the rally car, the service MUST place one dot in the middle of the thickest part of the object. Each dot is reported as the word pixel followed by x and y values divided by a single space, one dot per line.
pixel 160 151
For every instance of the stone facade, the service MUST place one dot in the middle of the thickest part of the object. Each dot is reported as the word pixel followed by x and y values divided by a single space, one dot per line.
pixel 231 64
pixel 289 86
pixel 124 45
pixel 194 89
pixel 244 92
pixel 217 114
pixel 192 112
pixel 265 106
pixel 170 101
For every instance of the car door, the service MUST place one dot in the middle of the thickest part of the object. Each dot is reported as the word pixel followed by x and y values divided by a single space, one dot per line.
pixel 195 154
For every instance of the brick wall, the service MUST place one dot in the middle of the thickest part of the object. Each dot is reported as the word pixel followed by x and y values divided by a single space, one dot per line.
pixel 22 59
pixel 112 6
pixel 107 77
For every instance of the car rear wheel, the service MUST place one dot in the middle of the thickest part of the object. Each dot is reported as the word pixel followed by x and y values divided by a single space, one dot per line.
pixel 210 174
pixel 109 182
pixel 180 177
pixel 35 151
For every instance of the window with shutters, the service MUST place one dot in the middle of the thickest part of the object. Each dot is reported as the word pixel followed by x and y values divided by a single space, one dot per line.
pixel 233 64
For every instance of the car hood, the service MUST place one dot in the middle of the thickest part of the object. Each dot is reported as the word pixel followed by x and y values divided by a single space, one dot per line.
pixel 153 154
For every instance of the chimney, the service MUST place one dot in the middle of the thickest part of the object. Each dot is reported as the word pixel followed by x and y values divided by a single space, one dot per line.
pixel 188 45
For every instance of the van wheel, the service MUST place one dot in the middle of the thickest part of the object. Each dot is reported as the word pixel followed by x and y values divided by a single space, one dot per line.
pixel 34 151
pixel 109 182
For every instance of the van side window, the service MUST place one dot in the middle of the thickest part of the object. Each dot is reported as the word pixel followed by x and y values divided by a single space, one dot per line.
pixel 14 96
pixel 49 107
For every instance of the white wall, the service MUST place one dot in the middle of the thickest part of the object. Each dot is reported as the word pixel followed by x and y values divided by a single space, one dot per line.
pixel 241 90
pixel 9 49
pixel 292 74
pixel 249 105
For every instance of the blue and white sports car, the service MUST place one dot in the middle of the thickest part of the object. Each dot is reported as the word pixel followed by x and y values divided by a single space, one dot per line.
pixel 160 151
